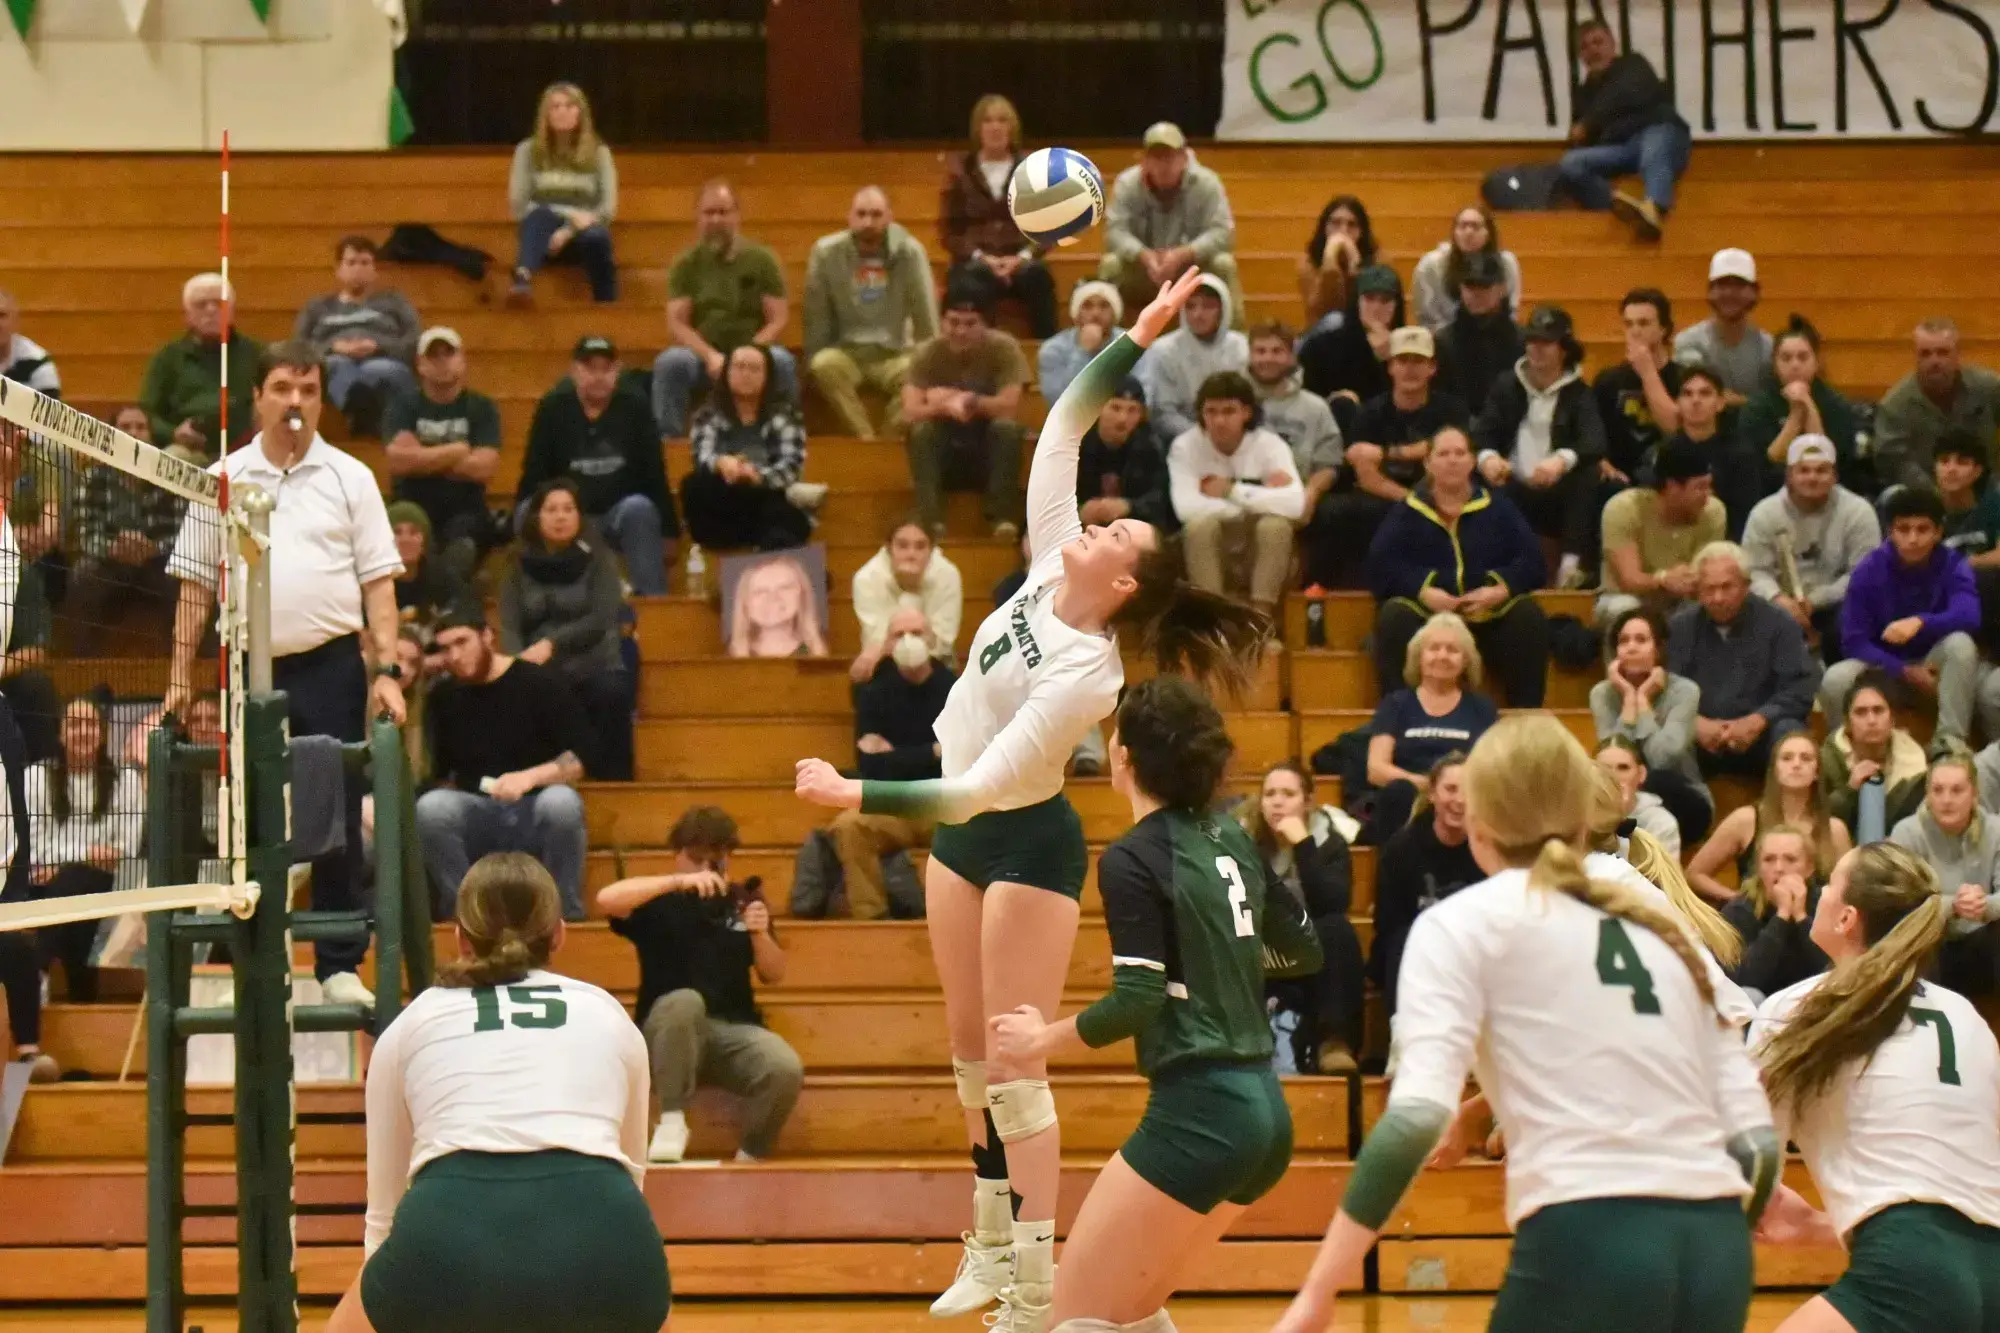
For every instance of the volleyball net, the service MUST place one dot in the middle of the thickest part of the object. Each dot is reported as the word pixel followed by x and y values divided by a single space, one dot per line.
pixel 102 526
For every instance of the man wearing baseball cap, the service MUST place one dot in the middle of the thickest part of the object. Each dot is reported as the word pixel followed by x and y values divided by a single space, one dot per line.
pixel 603 438
pixel 1540 439
pixel 1727 342
pixel 444 447
pixel 1805 541
pixel 1165 214
pixel 1482 342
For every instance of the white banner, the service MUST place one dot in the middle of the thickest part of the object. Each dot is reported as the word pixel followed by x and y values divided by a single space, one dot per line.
pixel 1347 70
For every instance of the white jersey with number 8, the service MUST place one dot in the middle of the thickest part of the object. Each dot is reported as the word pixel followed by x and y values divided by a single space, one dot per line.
pixel 1917 1122
pixel 1608 1074
pixel 547 1062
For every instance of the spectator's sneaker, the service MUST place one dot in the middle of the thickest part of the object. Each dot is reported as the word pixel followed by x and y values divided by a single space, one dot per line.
pixel 670 1138
pixel 807 495
pixel 1638 212
pixel 984 1271
pixel 42 1067
pixel 1006 532
pixel 346 988
pixel 523 290
pixel 743 1156
pixel 1336 1059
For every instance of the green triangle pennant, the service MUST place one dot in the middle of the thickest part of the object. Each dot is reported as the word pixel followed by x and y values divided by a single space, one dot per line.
pixel 401 124
pixel 23 14
pixel 263 8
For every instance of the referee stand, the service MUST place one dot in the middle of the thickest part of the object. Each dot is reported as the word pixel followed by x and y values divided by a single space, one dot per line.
pixel 262 1017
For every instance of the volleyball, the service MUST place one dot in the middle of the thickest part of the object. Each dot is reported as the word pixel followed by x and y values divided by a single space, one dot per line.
pixel 1055 196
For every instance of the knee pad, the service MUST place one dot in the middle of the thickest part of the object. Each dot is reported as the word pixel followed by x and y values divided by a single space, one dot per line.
pixel 970 1075
pixel 1021 1108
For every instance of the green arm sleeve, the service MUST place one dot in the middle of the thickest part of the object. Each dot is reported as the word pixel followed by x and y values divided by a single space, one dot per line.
pixel 925 799
pixel 1137 994
pixel 1397 1149
pixel 1761 1156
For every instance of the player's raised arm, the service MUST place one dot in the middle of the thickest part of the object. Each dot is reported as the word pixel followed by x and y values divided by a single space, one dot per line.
pixel 1052 519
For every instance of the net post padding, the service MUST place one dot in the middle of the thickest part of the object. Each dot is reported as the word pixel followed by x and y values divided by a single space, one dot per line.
pixel 239 899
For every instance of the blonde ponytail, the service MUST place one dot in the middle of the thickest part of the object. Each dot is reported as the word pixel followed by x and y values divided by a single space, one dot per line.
pixel 1862 1001
pixel 1558 869
pixel 508 914
pixel 1650 859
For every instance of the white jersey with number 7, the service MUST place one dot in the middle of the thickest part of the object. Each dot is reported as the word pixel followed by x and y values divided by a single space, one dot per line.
pixel 1917 1122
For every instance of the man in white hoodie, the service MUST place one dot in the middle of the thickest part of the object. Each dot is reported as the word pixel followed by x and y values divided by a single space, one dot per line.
pixel 1236 490
pixel 1181 362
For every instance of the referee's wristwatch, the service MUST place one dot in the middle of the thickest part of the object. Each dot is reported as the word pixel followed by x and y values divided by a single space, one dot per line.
pixel 393 670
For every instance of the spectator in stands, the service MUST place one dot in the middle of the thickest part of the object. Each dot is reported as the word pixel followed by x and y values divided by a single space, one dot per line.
pixel 1341 245
pixel 699 937
pixel 1181 360
pixel 1121 466
pixel 1747 658
pixel 333 608
pixel 1941 395
pixel 20 954
pixel 1805 541
pixel 1236 492
pixel 1774 914
pixel 1972 528
pixel 1422 864
pixel 1620 757
pixel 962 400
pixel 413 654
pixel 559 608
pixel 1870 747
pixel 444 449
pixel 723 292
pixel 1706 426
pixel 1791 797
pixel 895 710
pixel 427 587
pixel 368 337
pixel 976 226
pixel 1346 354
pixel 1389 439
pixel 1481 342
pixel 1911 610
pixel 907 587
pixel 124 528
pixel 749 446
pixel 183 384
pixel 1962 844
pixel 1302 420
pixel 1637 398
pixel 1624 121
pixel 1795 402
pixel 1441 275
pixel 1652 533
pixel 1642 702
pixel 1540 438
pixel 563 190
pixel 24 679
pixel 1305 845
pixel 501 788
pixel 1727 342
pixel 1166 214
pixel 869 301
pixel 1455 547
pixel 86 813
pixel 602 436
pixel 1439 710
pixel 1096 316
pixel 22 359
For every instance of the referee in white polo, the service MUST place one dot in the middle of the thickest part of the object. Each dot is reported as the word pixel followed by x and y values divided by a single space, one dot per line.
pixel 333 604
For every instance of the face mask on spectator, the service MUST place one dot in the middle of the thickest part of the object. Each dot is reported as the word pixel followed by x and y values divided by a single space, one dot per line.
pixel 910 651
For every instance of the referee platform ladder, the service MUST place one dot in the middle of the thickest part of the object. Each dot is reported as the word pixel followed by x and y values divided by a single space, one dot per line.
pixel 262 1018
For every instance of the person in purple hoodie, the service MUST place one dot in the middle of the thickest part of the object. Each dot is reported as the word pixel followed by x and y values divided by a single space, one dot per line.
pixel 1911 610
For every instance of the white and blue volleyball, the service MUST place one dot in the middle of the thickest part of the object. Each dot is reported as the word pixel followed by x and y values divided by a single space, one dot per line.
pixel 1056 195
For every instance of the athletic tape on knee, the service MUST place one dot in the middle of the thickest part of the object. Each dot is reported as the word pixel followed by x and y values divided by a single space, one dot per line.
pixel 970 1075
pixel 1021 1108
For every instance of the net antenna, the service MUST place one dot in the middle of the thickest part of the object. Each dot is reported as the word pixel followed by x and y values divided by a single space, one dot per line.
pixel 243 558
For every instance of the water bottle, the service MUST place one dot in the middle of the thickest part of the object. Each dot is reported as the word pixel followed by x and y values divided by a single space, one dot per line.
pixel 1316 623
pixel 697 573
pixel 1871 823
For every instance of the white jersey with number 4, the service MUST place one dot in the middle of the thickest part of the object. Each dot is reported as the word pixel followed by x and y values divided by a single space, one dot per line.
pixel 1608 1074
pixel 1917 1122
pixel 548 1062
pixel 1032 686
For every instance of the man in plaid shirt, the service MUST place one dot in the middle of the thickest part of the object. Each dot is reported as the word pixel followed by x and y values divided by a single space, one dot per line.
pixel 124 530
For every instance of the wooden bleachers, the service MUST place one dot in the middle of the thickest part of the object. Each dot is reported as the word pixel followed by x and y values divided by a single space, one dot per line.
pixel 1865 240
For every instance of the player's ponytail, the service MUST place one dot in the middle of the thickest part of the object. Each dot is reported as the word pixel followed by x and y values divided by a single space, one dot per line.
pixel 1188 630
pixel 1862 1001
pixel 1536 793
pixel 509 915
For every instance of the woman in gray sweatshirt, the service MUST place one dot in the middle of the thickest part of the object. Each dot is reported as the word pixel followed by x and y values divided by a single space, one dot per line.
pixel 560 606
pixel 1640 701
pixel 563 189
pixel 1962 843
